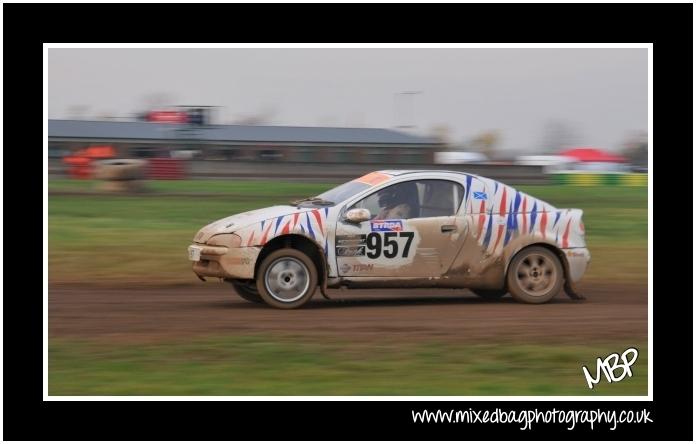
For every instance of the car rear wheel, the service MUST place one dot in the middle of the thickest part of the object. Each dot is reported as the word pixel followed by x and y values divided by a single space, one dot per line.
pixel 490 294
pixel 247 290
pixel 535 275
pixel 287 278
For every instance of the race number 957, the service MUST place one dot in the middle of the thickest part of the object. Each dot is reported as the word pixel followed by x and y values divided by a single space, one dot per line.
pixel 378 244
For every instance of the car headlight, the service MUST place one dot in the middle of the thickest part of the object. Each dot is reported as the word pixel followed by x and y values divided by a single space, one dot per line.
pixel 225 240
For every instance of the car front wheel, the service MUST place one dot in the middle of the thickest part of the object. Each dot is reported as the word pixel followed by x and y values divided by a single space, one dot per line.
pixel 287 278
pixel 535 275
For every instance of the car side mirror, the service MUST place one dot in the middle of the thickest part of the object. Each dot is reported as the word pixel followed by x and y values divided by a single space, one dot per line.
pixel 357 215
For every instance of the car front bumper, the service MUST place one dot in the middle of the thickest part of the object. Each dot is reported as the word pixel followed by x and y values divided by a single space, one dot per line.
pixel 223 262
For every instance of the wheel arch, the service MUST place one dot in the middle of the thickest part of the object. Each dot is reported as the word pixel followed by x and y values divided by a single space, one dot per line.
pixel 551 247
pixel 298 242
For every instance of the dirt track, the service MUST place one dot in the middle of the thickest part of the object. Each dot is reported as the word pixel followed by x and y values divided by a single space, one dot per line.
pixel 213 308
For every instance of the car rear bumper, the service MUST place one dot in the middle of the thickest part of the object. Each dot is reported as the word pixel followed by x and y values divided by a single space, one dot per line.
pixel 578 259
pixel 225 262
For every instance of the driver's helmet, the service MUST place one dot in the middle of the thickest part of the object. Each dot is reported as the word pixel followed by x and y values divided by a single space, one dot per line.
pixel 392 196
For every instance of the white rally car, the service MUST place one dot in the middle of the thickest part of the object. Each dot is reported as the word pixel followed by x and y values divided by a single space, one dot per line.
pixel 399 229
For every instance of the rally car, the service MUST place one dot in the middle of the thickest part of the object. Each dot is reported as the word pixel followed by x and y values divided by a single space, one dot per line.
pixel 399 229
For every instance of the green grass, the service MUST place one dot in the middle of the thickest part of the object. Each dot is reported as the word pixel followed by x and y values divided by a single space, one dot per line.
pixel 111 239
pixel 245 366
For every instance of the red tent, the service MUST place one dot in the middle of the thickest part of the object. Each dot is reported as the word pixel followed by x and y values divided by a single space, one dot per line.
pixel 592 155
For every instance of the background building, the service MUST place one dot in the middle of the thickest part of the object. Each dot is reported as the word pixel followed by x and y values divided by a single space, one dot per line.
pixel 245 143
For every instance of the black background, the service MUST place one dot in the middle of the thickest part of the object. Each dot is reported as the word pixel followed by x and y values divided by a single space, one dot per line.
pixel 26 27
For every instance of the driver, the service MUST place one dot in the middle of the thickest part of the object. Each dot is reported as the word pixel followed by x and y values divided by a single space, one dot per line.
pixel 393 203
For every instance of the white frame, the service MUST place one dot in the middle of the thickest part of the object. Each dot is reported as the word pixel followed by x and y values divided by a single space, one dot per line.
pixel 588 398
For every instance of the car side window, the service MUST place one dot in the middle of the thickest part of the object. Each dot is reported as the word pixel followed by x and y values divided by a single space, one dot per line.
pixel 413 199
pixel 440 197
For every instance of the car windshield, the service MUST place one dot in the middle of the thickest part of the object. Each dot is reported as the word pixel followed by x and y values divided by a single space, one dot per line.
pixel 334 195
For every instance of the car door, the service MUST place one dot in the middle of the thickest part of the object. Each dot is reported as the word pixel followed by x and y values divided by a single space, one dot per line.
pixel 421 242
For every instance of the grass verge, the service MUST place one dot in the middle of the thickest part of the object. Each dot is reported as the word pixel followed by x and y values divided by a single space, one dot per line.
pixel 252 365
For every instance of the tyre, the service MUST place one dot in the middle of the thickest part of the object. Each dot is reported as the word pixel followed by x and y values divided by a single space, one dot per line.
pixel 120 169
pixel 490 294
pixel 287 278
pixel 247 291
pixel 535 275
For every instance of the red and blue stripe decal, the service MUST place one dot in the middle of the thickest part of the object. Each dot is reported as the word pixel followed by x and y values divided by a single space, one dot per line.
pixel 309 226
pixel 489 229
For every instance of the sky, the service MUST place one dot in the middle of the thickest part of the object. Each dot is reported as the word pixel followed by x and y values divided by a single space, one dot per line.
pixel 593 97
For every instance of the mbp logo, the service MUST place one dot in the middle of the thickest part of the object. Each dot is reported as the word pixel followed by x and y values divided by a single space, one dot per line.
pixel 609 365
pixel 387 225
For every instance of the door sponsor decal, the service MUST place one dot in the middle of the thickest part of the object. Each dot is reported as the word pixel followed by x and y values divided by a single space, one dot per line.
pixel 387 225
pixel 350 246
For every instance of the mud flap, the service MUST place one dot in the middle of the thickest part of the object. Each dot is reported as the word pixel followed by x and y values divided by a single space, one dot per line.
pixel 324 282
pixel 323 292
pixel 572 293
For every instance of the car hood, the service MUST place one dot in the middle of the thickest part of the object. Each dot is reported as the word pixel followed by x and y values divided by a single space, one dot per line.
pixel 238 221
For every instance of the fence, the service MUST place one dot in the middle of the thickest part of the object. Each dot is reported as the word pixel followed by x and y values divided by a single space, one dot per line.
pixel 166 168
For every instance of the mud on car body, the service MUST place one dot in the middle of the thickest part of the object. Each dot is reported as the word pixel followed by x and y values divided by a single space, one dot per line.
pixel 399 229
